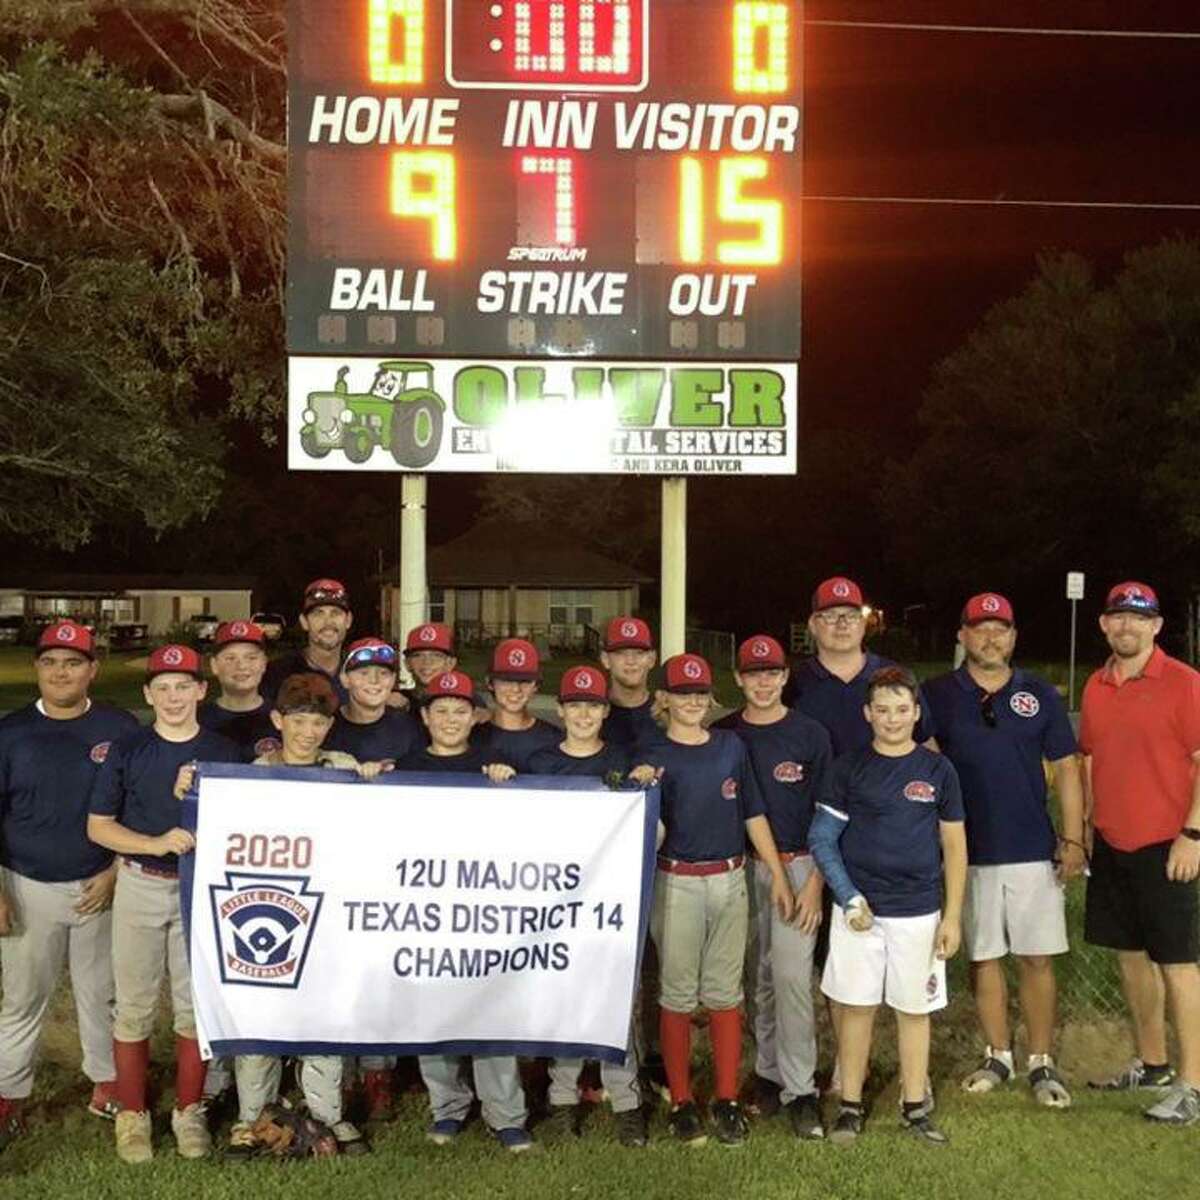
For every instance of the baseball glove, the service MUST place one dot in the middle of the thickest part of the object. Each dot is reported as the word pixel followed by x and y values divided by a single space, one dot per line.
pixel 282 1133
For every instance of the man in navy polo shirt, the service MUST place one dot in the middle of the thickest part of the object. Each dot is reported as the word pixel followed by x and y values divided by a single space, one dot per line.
pixel 997 724
pixel 790 758
pixel 55 886
pixel 238 661
pixel 325 617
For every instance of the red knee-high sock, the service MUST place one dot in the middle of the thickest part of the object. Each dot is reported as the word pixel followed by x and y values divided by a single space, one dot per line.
pixel 132 1059
pixel 189 1072
pixel 725 1030
pixel 675 1033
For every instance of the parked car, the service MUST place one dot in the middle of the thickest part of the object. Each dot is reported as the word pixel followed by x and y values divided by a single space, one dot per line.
pixel 128 635
pixel 272 625
pixel 203 627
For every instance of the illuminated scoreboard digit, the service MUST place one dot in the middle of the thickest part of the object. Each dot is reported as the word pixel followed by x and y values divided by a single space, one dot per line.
pixel 542 178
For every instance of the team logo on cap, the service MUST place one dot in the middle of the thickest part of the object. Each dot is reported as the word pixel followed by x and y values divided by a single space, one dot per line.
pixel 99 752
pixel 1025 704
pixel 447 683
pixel 172 656
pixel 239 629
pixel 693 669
pixel 65 633
pixel 729 788
pixel 583 679
pixel 990 604
pixel 266 745
pixel 427 634
pixel 841 589
pixel 516 657
pixel 920 791
pixel 629 629
pixel 788 772
pixel 760 649
pixel 264 926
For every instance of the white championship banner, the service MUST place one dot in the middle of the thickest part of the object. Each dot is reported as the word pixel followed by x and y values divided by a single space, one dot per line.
pixel 415 913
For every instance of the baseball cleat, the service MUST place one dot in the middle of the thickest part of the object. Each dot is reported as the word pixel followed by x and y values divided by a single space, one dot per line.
pixel 243 1145
pixel 729 1123
pixel 103 1102
pixel 515 1139
pixel 442 1133
pixel 685 1124
pixel 765 1100
pixel 1180 1106
pixel 132 1135
pixel 1137 1077
pixel 654 1079
pixel 1049 1089
pixel 804 1114
pixel 632 1128
pixel 350 1139
pixel 190 1127
pixel 848 1127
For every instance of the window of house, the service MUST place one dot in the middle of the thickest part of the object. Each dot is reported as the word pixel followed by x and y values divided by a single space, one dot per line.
pixel 571 608
pixel 437 604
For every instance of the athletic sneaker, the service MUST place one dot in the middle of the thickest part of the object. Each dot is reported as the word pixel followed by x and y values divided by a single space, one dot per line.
pixel 350 1139
pixel 919 1124
pixel 654 1078
pixel 804 1113
pixel 443 1132
pixel 848 1127
pixel 243 1145
pixel 1180 1106
pixel 632 1129
pixel 515 1139
pixel 1049 1088
pixel 377 1088
pixel 1136 1077
pixel 685 1124
pixel 190 1127
pixel 729 1123
pixel 104 1101
pixel 996 1071
pixel 133 1137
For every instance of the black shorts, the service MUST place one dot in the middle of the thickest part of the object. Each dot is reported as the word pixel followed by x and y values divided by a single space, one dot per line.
pixel 1132 905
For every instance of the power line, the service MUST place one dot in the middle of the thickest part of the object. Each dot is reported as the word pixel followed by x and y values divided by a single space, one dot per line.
pixel 1177 35
pixel 1002 203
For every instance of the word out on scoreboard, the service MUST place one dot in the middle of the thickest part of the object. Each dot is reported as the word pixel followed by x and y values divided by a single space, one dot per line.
pixel 544 179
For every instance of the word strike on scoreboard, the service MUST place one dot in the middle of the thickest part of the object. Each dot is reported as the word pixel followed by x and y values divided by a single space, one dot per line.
pixel 545 178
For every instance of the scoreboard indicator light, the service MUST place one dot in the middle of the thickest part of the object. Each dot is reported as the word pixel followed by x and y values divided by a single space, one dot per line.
pixel 561 170
pixel 423 187
pixel 733 207
pixel 760 46
pixel 385 18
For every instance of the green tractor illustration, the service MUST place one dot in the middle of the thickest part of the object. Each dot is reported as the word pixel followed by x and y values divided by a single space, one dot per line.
pixel 401 412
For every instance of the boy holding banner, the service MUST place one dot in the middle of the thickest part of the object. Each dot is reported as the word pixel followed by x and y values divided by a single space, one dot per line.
pixel 303 713
pixel 448 710
pixel 514 733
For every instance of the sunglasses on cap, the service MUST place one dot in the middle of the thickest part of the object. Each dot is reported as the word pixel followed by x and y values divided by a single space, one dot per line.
pixel 370 655
pixel 324 596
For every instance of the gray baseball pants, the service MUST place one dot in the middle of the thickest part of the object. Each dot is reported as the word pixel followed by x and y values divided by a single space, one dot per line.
pixel 258 1077
pixel 497 1083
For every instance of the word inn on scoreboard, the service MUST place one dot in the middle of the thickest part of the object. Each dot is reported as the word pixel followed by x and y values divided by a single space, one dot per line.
pixel 544 177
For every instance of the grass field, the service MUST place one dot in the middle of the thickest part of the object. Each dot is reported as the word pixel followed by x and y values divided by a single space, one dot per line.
pixel 1001 1145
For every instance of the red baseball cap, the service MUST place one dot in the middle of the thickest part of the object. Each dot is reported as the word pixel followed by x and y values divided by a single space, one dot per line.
pixel 431 636
pixel 172 659
pixel 628 633
pixel 325 591
pixel 453 684
pixel 583 683
pixel 1133 597
pixel 838 592
pixel 229 632
pixel 67 635
pixel 370 652
pixel 987 606
pixel 687 673
pixel 515 658
pixel 761 653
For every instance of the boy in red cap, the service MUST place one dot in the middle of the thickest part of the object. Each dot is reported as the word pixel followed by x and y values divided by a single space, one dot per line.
pixel 628 656
pixel 325 617
pixel 239 661
pixel 514 732
pixel 134 810
pixel 583 707
pixel 711 803
pixel 448 711
pixel 56 886
pixel 365 726
pixel 790 757
pixel 428 653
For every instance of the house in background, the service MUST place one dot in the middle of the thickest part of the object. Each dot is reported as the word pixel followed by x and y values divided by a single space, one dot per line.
pixel 507 580
pixel 158 602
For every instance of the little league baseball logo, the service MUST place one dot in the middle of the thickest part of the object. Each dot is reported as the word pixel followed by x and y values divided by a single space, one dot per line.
pixel 1025 704
pixel 788 772
pixel 99 752
pixel 692 669
pixel 264 926
pixel 920 791
pixel 729 789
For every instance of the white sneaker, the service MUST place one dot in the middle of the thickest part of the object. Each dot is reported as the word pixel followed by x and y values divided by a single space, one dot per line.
pixel 133 1137
pixel 190 1127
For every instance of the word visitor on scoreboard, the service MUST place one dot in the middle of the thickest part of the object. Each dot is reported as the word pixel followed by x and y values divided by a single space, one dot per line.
pixel 450 157
pixel 401 915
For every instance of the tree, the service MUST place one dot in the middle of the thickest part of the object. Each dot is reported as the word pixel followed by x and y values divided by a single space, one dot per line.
pixel 1062 434
pixel 142 249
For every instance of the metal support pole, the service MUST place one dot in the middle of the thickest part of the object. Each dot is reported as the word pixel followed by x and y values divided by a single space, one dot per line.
pixel 1071 669
pixel 674 567
pixel 413 608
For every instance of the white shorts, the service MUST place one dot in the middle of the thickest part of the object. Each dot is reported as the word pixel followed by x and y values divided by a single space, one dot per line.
pixel 1014 908
pixel 893 962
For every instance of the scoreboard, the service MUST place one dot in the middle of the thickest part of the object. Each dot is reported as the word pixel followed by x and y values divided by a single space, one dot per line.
pixel 545 180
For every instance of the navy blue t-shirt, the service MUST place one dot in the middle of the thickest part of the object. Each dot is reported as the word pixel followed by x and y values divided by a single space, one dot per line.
pixel 515 746
pixel 252 731
pixel 892 842
pixel 709 792
pixel 471 761
pixel 818 693
pixel 1000 767
pixel 136 784
pixel 630 727
pixel 791 760
pixel 278 669
pixel 392 736
pixel 554 760
pixel 47 769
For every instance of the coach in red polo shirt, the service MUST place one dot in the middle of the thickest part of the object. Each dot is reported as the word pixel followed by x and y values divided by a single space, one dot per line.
pixel 1141 736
